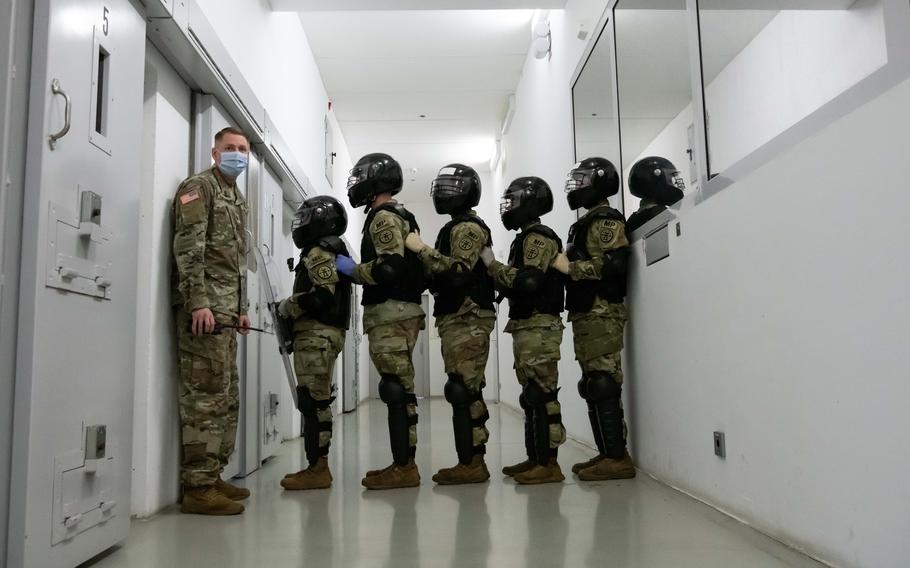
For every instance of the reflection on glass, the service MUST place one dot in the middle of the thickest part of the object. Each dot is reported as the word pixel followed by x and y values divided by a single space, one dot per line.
pixel 596 128
pixel 766 68
pixel 655 88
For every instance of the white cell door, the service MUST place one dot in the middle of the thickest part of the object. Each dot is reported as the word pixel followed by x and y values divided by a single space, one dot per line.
pixel 248 353
pixel 210 118
pixel 272 380
pixel 350 359
pixel 75 370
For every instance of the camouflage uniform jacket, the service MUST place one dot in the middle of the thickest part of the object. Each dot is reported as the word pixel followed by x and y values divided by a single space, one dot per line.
pixel 471 239
pixel 388 232
pixel 604 235
pixel 209 256
pixel 320 266
pixel 538 253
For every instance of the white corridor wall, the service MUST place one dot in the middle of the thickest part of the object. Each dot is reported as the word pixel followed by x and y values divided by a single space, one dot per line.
pixel 778 318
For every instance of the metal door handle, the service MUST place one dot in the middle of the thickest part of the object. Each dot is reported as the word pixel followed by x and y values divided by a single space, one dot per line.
pixel 68 114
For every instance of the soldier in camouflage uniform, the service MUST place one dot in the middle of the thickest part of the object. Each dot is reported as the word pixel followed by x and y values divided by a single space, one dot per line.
pixel 463 309
pixel 320 309
pixel 393 280
pixel 209 288
pixel 536 296
pixel 595 296
pixel 658 184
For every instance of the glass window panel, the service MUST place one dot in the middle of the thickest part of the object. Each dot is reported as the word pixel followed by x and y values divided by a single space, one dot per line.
pixel 767 64
pixel 596 128
pixel 655 87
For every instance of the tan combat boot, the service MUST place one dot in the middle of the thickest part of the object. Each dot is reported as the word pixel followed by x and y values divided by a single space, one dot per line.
pixel 550 473
pixel 208 501
pixel 607 469
pixel 373 472
pixel 393 477
pixel 474 472
pixel 231 491
pixel 512 470
pixel 586 464
pixel 317 476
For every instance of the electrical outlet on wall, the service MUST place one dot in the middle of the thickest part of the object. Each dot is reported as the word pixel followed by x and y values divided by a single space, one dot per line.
pixel 720 445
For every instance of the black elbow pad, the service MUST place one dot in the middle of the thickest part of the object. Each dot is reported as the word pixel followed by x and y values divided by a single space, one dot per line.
pixel 454 280
pixel 528 281
pixel 616 264
pixel 389 270
pixel 318 302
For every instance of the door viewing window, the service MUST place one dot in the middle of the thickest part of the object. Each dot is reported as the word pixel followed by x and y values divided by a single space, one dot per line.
pixel 768 64
pixel 655 87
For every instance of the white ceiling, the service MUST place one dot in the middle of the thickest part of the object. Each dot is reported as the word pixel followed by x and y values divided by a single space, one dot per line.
pixel 384 69
pixel 371 5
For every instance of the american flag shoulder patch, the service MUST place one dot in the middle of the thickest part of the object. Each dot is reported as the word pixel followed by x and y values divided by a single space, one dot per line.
pixel 189 196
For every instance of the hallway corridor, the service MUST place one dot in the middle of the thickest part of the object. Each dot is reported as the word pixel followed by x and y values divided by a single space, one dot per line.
pixel 638 523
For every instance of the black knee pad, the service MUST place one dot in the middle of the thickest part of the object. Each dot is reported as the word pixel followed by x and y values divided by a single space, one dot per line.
pixel 535 396
pixel 583 386
pixel 456 391
pixel 305 401
pixel 391 391
pixel 603 386
pixel 523 402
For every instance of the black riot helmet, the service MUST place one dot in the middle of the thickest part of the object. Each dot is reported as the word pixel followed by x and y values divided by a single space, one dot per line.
pixel 372 175
pixel 455 190
pixel 590 182
pixel 316 218
pixel 526 199
pixel 656 179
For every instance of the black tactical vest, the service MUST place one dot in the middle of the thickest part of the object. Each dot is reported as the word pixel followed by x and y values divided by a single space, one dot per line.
pixel 412 283
pixel 642 216
pixel 581 294
pixel 551 298
pixel 477 284
pixel 339 314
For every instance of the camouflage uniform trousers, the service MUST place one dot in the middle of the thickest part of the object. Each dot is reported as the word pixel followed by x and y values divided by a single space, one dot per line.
pixel 315 353
pixel 391 347
pixel 209 400
pixel 598 339
pixel 536 353
pixel 465 349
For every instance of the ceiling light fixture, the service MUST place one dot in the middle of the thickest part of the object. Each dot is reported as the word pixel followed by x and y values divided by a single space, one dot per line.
pixel 542 44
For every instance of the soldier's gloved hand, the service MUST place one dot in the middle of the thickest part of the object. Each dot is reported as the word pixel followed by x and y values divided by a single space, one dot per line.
pixel 487 256
pixel 283 308
pixel 414 243
pixel 345 265
pixel 561 263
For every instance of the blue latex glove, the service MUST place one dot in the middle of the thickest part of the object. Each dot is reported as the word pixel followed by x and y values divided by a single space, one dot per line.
pixel 345 265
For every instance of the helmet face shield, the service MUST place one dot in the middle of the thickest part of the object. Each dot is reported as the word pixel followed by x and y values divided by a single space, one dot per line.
pixel 579 179
pixel 357 175
pixel 510 202
pixel 676 179
pixel 511 211
pixel 591 182
pixel 446 187
pixel 316 218
pixel 455 190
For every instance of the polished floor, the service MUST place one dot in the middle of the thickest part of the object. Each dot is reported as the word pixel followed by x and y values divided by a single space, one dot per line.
pixel 637 523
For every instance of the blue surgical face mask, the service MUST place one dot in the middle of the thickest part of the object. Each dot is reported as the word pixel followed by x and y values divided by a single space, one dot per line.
pixel 233 163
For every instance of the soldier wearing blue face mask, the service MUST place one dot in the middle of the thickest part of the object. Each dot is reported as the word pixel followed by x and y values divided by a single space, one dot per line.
pixel 208 285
